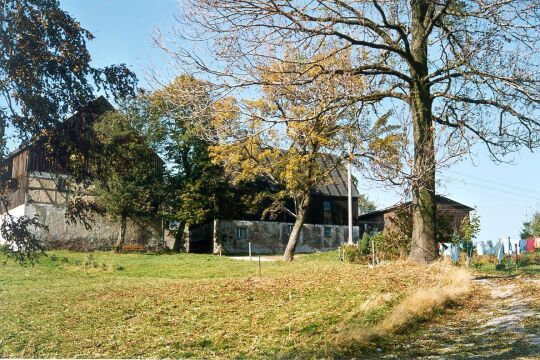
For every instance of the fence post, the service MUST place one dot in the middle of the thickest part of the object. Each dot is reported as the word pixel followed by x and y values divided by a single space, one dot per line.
pixel 509 255
pixel 516 257
pixel 249 249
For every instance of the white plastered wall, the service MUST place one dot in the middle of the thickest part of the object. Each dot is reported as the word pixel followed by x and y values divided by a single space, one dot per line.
pixel 15 213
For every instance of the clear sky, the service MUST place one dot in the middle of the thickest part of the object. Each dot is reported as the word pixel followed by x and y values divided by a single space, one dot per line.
pixel 504 195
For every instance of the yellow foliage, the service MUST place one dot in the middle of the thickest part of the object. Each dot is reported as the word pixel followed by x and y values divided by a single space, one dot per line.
pixel 302 114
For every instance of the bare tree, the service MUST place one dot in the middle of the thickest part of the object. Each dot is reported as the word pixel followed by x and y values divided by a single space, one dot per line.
pixel 466 68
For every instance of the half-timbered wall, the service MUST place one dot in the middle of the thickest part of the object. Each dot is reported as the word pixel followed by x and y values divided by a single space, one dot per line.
pixel 15 181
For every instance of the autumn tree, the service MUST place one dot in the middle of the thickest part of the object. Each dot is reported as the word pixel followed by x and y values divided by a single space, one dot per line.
pixel 294 136
pixel 45 74
pixel 466 71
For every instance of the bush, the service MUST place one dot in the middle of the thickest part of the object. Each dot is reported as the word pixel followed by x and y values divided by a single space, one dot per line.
pixel 351 253
pixel 388 246
pixel 363 244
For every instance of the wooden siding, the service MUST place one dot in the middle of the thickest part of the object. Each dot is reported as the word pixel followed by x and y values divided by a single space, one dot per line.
pixel 15 187
pixel 338 210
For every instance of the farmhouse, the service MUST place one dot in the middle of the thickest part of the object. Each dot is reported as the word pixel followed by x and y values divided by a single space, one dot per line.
pixel 38 183
pixel 325 227
pixel 452 211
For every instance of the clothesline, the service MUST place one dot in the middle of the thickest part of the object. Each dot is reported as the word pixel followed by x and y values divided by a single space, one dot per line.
pixel 498 247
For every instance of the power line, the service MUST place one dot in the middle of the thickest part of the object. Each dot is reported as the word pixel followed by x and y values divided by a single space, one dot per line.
pixel 502 191
pixel 517 188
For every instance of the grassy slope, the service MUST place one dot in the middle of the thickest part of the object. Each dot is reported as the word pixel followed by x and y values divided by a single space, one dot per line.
pixel 180 305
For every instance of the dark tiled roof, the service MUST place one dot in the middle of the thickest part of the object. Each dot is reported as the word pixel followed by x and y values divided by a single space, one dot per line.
pixel 100 105
pixel 337 184
pixel 439 198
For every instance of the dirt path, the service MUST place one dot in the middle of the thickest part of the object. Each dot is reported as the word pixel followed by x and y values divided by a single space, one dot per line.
pixel 501 320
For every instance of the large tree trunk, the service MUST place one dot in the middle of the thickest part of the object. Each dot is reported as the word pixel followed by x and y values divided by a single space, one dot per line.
pixel 121 234
pixel 423 247
pixel 301 212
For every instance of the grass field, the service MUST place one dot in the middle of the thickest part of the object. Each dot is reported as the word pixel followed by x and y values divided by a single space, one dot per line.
pixel 179 305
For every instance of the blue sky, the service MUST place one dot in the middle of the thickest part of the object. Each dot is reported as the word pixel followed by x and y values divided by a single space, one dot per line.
pixel 504 195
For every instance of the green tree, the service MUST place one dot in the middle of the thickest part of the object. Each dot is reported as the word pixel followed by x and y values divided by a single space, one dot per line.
pixel 365 205
pixel 469 229
pixel 531 228
pixel 195 187
pixel 45 74
pixel 127 174
pixel 46 69
pixel 464 71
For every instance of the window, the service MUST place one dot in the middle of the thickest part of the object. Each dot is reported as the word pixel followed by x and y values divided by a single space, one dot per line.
pixel 327 231
pixel 327 205
pixel 241 233
pixel 327 212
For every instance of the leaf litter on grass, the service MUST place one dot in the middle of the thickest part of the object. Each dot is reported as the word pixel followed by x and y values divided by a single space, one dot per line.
pixel 218 309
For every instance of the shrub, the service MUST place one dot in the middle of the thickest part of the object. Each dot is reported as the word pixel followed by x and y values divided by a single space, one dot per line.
pixel 351 253
pixel 363 244
pixel 388 246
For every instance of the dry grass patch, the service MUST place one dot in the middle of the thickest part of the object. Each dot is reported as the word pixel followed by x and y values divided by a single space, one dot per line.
pixel 205 307
pixel 418 303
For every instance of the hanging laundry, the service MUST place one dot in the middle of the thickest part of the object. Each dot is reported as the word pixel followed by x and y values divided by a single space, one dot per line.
pixel 506 245
pixel 500 253
pixel 455 252
pixel 480 248
pixel 445 249
pixel 515 246
pixel 510 245
pixel 530 245
pixel 537 243
pixel 523 245
pixel 498 246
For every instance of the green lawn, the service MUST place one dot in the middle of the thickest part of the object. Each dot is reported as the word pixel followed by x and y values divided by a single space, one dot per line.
pixel 185 305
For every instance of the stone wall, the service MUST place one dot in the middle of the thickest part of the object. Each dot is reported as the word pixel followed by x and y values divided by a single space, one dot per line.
pixel 47 198
pixel 271 237
pixel 75 236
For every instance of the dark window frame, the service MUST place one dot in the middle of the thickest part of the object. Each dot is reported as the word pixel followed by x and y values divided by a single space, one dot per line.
pixel 241 233
pixel 327 231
